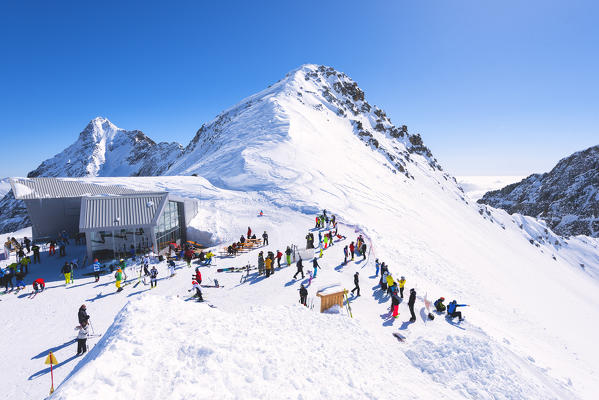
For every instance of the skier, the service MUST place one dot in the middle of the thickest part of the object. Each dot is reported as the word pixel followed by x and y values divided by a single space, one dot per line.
pixel 303 292
pixel 62 248
pixel 316 266
pixel 8 279
pixel 198 293
pixel 20 278
pixel 118 278
pixel 25 264
pixel 439 306
pixel 377 266
pixel 345 254
pixel 66 270
pixel 82 315
pixel 279 255
pixel 319 238
pixel 288 255
pixel 171 267
pixel 395 303
pixel 411 302
pixel 27 243
pixel 402 283
pixel 351 250
pixel 357 283
pixel 198 275
pixel 265 238
pixel 52 248
pixel 452 309
pixel 209 257
pixel 97 269
pixel 153 277
pixel 39 284
pixel 36 253
pixel 268 266
pixel 383 281
pixel 300 268
pixel 82 339
pixel 188 256
pixel 260 263
pixel 122 266
pixel 326 240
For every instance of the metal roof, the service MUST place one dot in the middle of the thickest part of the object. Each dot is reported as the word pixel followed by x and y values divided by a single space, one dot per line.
pixel 52 188
pixel 120 212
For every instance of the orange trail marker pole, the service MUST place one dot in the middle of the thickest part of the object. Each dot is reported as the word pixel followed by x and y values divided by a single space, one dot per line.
pixel 51 360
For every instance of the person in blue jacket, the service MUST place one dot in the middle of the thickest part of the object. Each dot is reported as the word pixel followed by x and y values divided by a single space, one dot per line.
pixel 452 309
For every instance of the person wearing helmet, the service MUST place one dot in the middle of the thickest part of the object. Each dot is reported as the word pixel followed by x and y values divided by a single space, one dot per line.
pixel 122 266
pixel 118 277
pixel 402 283
pixel 96 266
pixel 195 285
pixel 377 266
pixel 439 306
pixel 452 309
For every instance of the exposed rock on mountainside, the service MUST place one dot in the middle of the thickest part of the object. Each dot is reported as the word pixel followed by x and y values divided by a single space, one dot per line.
pixel 567 197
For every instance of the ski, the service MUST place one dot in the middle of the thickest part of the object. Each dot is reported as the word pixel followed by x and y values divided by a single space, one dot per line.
pixel 399 337
pixel 212 286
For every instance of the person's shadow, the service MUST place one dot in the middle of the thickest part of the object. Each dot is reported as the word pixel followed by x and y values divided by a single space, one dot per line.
pixel 47 370
pixel 54 349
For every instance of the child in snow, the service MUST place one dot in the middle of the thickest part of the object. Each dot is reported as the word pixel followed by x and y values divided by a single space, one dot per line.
pixel 82 338
pixel 195 285
pixel 439 306
pixel 39 285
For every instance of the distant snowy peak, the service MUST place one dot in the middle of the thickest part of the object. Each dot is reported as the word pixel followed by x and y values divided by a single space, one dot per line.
pixel 567 197
pixel 103 149
pixel 313 108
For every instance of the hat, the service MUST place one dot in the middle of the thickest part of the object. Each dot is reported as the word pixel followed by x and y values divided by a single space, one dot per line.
pixel 403 277
pixel 442 299
pixel 122 260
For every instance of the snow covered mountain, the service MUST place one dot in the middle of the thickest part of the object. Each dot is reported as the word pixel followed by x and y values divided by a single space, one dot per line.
pixel 103 149
pixel 567 197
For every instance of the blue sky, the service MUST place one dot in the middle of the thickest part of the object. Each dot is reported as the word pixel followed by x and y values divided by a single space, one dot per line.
pixel 494 87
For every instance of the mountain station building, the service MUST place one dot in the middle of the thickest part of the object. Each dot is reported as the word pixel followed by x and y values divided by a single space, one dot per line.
pixel 112 218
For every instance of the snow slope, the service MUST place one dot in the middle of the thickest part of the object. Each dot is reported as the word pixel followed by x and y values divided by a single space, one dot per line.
pixel 103 149
pixel 530 331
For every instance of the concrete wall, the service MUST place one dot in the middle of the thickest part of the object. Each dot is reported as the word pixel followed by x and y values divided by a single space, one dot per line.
pixel 50 216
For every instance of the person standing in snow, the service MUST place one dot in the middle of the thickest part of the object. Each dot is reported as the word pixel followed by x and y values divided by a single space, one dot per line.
pixel 390 282
pixel 411 302
pixel 268 266
pixel 345 254
pixel 82 315
pixel 20 277
pixel 377 265
pixel 308 244
pixel 52 248
pixel 171 267
pixel 319 238
pixel 8 279
pixel 195 285
pixel 265 238
pixel 188 256
pixel 62 248
pixel 383 281
pixel 395 302
pixel 146 265
pixel 279 255
pixel 208 258
pixel 82 339
pixel 300 268
pixel 357 283
pixel 363 250
pixel 351 250
pixel 261 263
pixel 402 283
pixel 303 292
pixel 153 277
pixel 27 243
pixel 198 275
pixel 66 271
pixel 96 267
pixel 288 255
pixel 122 267
pixel 36 253
pixel 315 266
pixel 118 276
pixel 249 235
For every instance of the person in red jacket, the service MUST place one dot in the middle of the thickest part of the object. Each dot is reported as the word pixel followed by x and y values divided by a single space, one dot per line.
pixel 279 255
pixel 188 255
pixel 249 232
pixel 351 250
pixel 39 284
pixel 198 275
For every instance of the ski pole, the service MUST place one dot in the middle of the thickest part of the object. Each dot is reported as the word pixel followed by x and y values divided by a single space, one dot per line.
pixel 90 324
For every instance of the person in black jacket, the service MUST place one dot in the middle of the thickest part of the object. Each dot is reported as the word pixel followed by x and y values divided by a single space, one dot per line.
pixel 300 268
pixel 303 295
pixel 357 283
pixel 36 253
pixel 27 242
pixel 265 238
pixel 83 316
pixel 411 303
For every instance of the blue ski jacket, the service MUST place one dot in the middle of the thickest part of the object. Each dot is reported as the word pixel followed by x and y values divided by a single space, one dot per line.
pixel 452 306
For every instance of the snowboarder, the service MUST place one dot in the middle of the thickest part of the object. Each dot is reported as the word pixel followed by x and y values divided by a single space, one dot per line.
pixel 66 271
pixel 82 339
pixel 357 283
pixel 39 285
pixel 279 255
pixel 303 292
pixel 300 268
pixel 411 302
pixel 452 309
pixel 351 250
pixel 288 255
pixel 96 269
pixel 316 266
pixel 265 238
pixel 439 306
pixel 118 276
pixel 195 285
pixel 153 277
pixel 402 283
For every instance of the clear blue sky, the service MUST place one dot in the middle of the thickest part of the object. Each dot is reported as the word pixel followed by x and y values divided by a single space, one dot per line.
pixel 494 87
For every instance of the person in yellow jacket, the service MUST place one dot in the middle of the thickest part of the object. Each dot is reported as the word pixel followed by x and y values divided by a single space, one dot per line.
pixel 402 283
pixel 208 258
pixel 390 282
pixel 268 266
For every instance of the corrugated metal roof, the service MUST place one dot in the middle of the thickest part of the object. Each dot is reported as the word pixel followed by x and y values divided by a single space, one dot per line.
pixel 108 213
pixel 48 188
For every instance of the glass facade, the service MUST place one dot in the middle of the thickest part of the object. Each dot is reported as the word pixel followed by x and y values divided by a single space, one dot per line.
pixel 169 225
pixel 108 245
